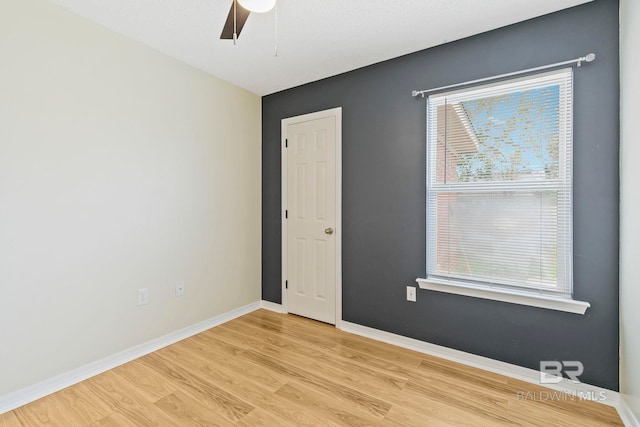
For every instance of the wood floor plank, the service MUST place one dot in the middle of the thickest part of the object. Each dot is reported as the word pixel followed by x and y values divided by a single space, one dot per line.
pixel 146 415
pixel 298 325
pixel 217 399
pixel 115 419
pixel 402 417
pixel 321 332
pixel 73 406
pixel 364 346
pixel 342 370
pixel 340 412
pixel 379 389
pixel 270 369
pixel 259 328
pixel 484 405
pixel 150 384
pixel 246 388
pixel 286 347
pixel 226 379
pixel 116 391
pixel 9 419
pixel 263 418
pixel 186 411
pixel 125 398
pixel 355 397
pixel 207 347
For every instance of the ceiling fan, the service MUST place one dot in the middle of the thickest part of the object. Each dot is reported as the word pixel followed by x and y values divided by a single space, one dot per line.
pixel 238 14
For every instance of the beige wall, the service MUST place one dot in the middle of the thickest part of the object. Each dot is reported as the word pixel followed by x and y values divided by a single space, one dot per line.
pixel 120 168
pixel 630 204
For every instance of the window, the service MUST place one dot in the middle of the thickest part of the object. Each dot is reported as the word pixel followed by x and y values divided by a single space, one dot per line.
pixel 499 170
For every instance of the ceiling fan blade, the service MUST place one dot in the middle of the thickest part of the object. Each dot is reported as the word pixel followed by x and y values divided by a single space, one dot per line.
pixel 241 17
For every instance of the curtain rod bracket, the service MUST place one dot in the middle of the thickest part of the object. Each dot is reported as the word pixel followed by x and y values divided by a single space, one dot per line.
pixel 589 58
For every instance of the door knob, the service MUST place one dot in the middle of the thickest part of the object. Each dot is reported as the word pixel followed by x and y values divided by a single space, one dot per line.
pixel 328 230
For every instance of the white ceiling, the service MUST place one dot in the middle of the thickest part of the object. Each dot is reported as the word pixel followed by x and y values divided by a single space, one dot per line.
pixel 317 38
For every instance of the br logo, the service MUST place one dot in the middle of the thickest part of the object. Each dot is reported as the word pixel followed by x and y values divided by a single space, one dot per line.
pixel 551 371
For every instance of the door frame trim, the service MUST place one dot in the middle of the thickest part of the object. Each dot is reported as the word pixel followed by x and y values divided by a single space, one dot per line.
pixel 337 113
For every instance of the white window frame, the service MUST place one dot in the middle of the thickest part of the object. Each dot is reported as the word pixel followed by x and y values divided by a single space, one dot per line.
pixel 506 292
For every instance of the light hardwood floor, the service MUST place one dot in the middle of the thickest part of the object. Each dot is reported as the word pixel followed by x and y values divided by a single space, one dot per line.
pixel 268 369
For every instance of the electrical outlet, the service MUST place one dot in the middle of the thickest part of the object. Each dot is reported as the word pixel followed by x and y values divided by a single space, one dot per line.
pixel 143 296
pixel 180 288
pixel 411 293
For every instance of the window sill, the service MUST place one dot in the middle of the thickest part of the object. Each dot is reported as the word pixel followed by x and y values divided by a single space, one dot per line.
pixel 542 301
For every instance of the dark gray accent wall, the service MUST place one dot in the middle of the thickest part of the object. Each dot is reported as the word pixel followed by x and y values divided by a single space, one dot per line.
pixel 384 193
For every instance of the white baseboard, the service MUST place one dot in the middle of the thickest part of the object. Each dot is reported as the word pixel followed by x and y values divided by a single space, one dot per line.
pixel 626 415
pixel 601 395
pixel 271 306
pixel 26 395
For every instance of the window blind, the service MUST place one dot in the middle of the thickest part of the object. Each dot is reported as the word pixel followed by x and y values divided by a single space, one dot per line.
pixel 499 171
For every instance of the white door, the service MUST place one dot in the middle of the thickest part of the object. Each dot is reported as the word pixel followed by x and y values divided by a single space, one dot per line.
pixel 311 215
